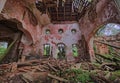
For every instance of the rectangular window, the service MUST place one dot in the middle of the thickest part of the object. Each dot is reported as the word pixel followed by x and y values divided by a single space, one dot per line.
pixel 61 51
pixel 47 50
pixel 75 50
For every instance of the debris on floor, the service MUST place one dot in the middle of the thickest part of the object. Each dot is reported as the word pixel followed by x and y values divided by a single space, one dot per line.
pixel 56 71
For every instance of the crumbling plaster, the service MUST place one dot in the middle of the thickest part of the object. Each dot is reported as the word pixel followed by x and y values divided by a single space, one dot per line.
pixel 20 9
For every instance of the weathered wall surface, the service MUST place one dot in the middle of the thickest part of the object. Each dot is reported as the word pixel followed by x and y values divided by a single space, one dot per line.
pixel 2 3
pixel 32 21
pixel 10 36
pixel 18 9
pixel 105 49
pixel 29 17
pixel 106 12
pixel 55 37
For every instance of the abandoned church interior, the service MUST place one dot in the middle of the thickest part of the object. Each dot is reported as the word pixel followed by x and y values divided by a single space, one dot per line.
pixel 60 41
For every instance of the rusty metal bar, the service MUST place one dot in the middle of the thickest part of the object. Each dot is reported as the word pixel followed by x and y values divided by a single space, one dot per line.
pixel 107 44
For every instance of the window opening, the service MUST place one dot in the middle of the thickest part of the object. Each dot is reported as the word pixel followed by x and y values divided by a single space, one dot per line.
pixel 73 31
pixel 75 50
pixel 47 50
pixel 61 51
pixel 60 31
pixel 47 31
pixel 3 47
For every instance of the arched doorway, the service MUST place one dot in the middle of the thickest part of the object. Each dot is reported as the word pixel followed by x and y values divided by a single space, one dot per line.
pixel 11 32
pixel 105 41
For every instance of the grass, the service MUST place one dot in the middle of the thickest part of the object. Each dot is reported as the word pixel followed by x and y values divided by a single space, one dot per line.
pixel 2 50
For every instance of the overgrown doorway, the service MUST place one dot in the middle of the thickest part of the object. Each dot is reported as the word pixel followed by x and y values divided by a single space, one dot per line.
pixel 106 43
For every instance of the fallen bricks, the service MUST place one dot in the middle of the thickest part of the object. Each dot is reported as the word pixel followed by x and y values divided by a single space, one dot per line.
pixel 49 71
pixel 33 69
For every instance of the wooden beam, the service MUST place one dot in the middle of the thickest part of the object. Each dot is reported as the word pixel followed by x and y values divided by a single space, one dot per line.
pixel 58 78
pixel 108 44
pixel 113 58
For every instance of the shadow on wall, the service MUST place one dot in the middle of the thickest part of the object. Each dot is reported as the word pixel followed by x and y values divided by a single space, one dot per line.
pixel 11 33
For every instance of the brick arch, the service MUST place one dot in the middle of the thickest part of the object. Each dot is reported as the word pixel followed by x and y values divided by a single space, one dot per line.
pixel 17 25
pixel 106 12
pixel 91 38
pixel 12 32
pixel 96 29
pixel 25 33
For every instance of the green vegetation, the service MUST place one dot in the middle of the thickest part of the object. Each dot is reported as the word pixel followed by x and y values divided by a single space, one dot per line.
pixel 6 50
pixel 94 47
pixel 3 47
pixel 115 75
pixel 108 58
pixel 77 75
pixel 2 50
pixel 111 49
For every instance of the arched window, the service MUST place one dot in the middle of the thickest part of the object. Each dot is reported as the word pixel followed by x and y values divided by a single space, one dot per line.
pixel 47 50
pixel 73 31
pixel 60 31
pixel 47 31
pixel 61 50
pixel 75 50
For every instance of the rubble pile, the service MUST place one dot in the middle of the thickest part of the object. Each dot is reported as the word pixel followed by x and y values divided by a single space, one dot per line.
pixel 32 70
pixel 50 70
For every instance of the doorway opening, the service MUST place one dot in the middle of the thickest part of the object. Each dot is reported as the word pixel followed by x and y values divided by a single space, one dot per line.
pixel 10 37
pixel 106 43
